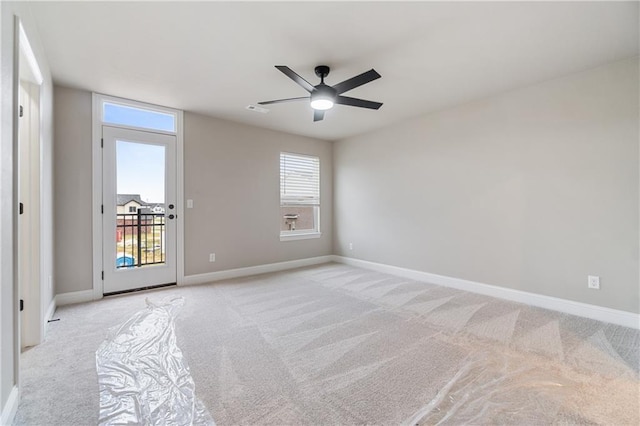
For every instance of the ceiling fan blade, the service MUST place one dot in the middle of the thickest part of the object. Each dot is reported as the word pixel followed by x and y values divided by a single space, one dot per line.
pixel 279 101
pixel 345 100
pixel 318 115
pixel 356 81
pixel 295 77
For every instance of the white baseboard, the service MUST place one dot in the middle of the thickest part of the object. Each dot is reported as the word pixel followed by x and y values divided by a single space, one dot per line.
pixel 10 408
pixel 74 297
pixel 613 316
pixel 89 295
pixel 254 270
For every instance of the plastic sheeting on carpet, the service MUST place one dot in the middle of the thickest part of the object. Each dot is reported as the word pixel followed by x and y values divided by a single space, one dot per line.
pixel 491 385
pixel 502 386
pixel 142 374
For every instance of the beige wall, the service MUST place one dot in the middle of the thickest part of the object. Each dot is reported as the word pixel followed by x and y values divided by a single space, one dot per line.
pixel 72 188
pixel 532 190
pixel 232 175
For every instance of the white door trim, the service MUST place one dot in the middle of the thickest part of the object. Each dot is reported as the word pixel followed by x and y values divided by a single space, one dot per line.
pixel 30 79
pixel 25 59
pixel 180 197
pixel 96 191
pixel 96 202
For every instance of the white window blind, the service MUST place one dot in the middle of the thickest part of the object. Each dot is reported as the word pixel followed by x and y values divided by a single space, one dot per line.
pixel 299 179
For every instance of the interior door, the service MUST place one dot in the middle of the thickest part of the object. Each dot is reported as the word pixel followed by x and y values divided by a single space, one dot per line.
pixel 29 230
pixel 139 213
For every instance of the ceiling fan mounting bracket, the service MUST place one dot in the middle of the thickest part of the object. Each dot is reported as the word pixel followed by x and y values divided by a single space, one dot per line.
pixel 322 71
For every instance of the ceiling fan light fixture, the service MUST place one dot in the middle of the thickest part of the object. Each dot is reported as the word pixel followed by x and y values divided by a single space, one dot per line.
pixel 322 103
pixel 323 97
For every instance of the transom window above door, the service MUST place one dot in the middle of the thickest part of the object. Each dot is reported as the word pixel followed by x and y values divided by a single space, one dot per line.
pixel 130 114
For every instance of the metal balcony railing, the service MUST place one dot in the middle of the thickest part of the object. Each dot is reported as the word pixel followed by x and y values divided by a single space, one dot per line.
pixel 140 239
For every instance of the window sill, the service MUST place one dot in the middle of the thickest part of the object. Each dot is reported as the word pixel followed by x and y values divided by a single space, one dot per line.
pixel 302 236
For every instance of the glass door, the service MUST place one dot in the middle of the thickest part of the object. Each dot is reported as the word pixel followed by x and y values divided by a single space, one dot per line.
pixel 139 192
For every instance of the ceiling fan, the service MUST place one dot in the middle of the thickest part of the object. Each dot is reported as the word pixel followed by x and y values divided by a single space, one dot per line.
pixel 323 96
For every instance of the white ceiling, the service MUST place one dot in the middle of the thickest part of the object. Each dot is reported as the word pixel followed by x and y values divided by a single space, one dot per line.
pixel 216 58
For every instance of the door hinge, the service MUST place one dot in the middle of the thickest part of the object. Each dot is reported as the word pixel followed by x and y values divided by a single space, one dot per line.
pixel 102 275
pixel 21 208
pixel 102 208
pixel 20 111
pixel 21 305
pixel 102 143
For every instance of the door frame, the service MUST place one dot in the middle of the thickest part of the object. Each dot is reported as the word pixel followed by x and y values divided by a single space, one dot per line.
pixel 97 173
pixel 25 68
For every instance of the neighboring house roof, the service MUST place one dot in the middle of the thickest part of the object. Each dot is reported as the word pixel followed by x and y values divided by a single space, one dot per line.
pixel 126 198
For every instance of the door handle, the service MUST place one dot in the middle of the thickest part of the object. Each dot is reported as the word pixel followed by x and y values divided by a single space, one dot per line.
pixel 171 216
pixel 171 206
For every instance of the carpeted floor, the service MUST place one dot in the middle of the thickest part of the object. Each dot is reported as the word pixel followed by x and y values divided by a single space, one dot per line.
pixel 334 344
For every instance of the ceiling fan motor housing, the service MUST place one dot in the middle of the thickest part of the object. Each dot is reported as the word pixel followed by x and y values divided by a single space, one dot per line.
pixel 324 91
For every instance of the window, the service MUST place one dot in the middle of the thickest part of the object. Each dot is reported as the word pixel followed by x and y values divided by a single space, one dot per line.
pixel 299 196
pixel 133 209
pixel 126 115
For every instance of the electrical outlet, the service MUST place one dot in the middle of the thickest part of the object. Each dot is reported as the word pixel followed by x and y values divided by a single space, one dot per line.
pixel 593 282
pixel 350 246
pixel 212 257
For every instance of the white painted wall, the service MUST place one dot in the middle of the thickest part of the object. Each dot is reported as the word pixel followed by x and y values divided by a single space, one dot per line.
pixel 8 208
pixel 532 190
